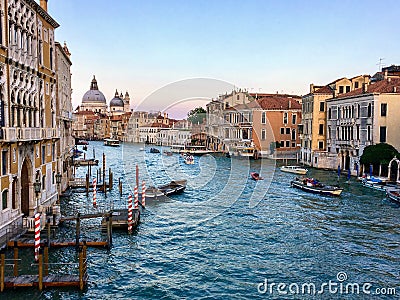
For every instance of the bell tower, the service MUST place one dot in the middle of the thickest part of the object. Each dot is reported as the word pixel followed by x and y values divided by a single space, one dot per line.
pixel 127 103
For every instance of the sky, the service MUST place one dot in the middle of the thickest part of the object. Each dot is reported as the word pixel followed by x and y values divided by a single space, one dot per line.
pixel 260 45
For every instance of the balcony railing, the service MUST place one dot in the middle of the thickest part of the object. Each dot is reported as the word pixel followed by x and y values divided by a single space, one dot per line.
pixel 10 134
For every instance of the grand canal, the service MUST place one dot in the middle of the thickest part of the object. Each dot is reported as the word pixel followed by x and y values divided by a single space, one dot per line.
pixel 226 236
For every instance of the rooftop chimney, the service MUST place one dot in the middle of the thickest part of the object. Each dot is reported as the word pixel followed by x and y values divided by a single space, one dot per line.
pixel 365 87
pixel 43 4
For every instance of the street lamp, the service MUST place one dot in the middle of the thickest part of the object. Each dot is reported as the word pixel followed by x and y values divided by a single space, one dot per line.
pixel 37 185
pixel 58 181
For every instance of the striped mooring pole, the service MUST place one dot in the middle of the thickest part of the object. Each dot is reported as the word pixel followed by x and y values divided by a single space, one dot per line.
pixel 130 214
pixel 135 193
pixel 94 192
pixel 37 236
pixel 143 193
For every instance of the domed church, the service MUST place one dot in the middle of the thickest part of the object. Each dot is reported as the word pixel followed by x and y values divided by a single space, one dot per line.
pixel 119 104
pixel 94 100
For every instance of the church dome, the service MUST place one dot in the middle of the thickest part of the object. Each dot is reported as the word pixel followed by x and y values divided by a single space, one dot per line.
pixel 116 101
pixel 94 95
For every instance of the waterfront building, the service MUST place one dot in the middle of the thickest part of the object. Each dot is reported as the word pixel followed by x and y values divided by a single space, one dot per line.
pixel 145 127
pixel 365 116
pixel 221 129
pixel 64 94
pixel 313 128
pixel 275 126
pixel 93 119
pixel 30 91
pixel 262 121
pixel 214 125
pixel 179 134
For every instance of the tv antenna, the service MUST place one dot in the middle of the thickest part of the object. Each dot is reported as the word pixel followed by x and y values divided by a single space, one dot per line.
pixel 380 64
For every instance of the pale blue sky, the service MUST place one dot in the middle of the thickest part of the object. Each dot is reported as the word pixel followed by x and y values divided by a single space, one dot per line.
pixel 268 46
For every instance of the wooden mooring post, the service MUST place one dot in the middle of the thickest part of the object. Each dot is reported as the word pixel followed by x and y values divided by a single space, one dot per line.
pixel 78 230
pixel 87 185
pixel 48 232
pixel 137 176
pixel 110 179
pixel 15 259
pixel 120 186
pixel 104 175
pixel 2 266
pixel 46 260
pixel 40 266
pixel 82 265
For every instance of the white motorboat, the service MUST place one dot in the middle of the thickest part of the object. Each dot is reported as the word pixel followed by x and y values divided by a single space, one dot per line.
pixel 294 169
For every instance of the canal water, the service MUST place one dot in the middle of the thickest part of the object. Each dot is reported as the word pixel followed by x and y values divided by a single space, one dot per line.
pixel 229 237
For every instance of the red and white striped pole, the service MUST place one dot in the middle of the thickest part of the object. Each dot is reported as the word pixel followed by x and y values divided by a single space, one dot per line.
pixel 94 192
pixel 143 193
pixel 135 193
pixel 130 213
pixel 37 236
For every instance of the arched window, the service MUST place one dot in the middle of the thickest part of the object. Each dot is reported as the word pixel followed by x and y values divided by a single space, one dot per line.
pixel 4 199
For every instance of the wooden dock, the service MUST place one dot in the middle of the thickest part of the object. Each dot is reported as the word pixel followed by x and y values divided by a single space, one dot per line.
pixel 30 243
pixel 13 282
pixel 86 162
pixel 43 279
pixel 120 219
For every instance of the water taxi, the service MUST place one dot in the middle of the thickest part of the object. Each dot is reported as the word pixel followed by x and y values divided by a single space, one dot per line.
pixel 314 186
pixel 294 169
pixel 177 148
pixel 242 151
pixel 196 150
pixel 111 142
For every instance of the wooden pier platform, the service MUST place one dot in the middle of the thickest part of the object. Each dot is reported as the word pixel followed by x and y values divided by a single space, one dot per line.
pixel 30 243
pixel 86 162
pixel 48 281
pixel 120 219
pixel 43 279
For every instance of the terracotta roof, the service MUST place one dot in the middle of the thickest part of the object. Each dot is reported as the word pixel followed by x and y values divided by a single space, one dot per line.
pixel 275 102
pixel 262 95
pixel 324 90
pixel 116 118
pixel 279 103
pixel 391 85
pixel 84 112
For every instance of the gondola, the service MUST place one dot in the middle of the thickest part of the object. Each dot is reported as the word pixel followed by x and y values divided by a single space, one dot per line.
pixel 314 186
pixel 174 187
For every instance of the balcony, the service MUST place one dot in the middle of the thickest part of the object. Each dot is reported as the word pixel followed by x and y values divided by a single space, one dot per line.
pixel 10 134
